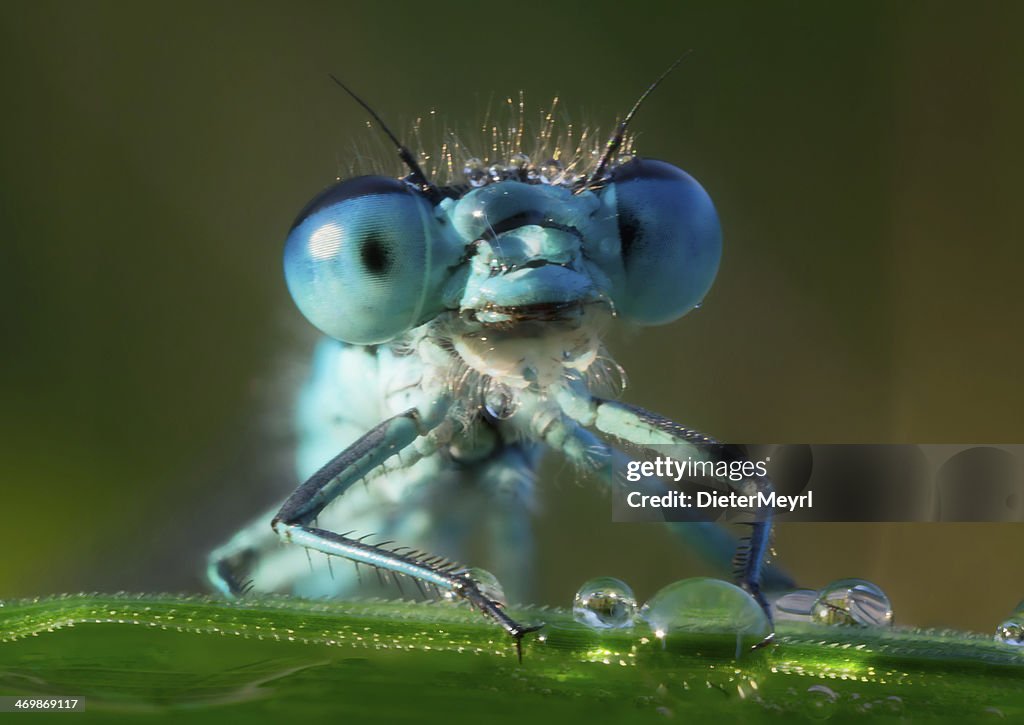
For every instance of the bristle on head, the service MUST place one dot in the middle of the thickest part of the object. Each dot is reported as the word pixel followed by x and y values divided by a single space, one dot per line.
pixel 536 148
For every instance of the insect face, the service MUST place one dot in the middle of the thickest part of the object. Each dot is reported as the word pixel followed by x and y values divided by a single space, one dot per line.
pixel 372 257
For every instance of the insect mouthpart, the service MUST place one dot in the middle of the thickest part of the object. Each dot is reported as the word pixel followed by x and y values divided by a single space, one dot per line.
pixel 498 268
pixel 571 313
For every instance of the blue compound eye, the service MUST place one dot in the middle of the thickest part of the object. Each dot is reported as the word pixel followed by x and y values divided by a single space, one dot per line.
pixel 366 260
pixel 671 242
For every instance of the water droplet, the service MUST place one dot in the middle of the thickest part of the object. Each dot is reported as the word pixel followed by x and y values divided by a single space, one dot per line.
pixel 795 606
pixel 604 603
pixel 499 401
pixel 704 606
pixel 518 162
pixel 488 584
pixel 1011 632
pixel 581 356
pixel 475 172
pixel 853 602
pixel 624 158
pixel 550 171
pixel 893 704
pixel 820 702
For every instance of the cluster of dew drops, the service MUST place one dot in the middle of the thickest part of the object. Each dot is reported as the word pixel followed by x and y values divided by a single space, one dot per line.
pixel 703 604
pixel 519 167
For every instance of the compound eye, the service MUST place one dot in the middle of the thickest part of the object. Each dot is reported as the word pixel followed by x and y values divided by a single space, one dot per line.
pixel 366 259
pixel 671 242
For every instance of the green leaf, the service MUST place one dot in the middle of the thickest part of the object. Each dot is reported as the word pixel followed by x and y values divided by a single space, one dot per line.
pixel 155 657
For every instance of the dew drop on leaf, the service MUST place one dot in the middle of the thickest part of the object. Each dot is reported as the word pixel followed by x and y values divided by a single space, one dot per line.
pixel 605 603
pixel 1011 632
pixel 795 606
pixel 706 606
pixel 488 585
pixel 852 602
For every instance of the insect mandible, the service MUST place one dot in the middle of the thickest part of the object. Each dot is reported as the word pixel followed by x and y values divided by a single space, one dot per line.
pixel 464 338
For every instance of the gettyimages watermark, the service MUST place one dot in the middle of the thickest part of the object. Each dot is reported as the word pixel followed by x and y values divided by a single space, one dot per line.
pixel 823 483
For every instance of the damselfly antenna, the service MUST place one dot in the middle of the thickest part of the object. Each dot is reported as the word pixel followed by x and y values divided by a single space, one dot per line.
pixel 417 177
pixel 615 142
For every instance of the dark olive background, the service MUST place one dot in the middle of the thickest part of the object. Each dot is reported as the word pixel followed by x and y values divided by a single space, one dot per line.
pixel 865 159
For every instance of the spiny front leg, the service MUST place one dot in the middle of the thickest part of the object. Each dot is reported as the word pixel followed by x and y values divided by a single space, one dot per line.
pixel 645 429
pixel 446 576
pixel 397 434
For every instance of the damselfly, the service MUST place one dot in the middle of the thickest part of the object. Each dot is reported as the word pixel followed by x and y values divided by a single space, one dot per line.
pixel 464 338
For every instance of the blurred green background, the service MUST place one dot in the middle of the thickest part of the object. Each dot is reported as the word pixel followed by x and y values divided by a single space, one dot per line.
pixel 865 159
